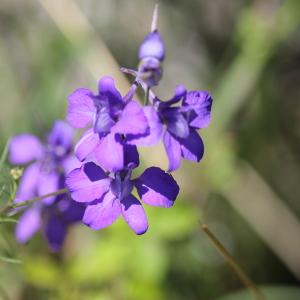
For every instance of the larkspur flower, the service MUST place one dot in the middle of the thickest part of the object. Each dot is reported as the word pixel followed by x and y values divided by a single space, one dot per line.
pixel 45 174
pixel 182 115
pixel 110 195
pixel 112 118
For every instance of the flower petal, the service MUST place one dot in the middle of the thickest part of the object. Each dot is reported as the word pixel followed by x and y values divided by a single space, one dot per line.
pixel 48 182
pixel 55 232
pixel 107 89
pixel 70 163
pixel 28 183
pixel 81 108
pixel 198 104
pixel 103 213
pixel 71 211
pixel 173 150
pixel 157 188
pixel 110 153
pixel 154 133
pixel 86 145
pixel 24 148
pixel 61 136
pixel 152 46
pixel 176 122
pixel 131 156
pixel 134 214
pixel 87 183
pixel 192 148
pixel 132 120
pixel 29 223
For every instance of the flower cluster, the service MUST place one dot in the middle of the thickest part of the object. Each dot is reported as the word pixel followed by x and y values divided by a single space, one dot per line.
pixel 48 165
pixel 101 182
pixel 108 149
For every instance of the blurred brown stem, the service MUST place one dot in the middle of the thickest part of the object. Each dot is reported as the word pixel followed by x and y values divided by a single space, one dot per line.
pixel 233 264
pixel 9 206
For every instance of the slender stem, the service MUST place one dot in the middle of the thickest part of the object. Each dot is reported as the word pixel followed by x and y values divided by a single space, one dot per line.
pixel 9 206
pixel 233 264
pixel 154 18
pixel 147 96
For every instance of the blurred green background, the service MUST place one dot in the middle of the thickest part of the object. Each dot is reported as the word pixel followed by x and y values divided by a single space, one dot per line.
pixel 247 54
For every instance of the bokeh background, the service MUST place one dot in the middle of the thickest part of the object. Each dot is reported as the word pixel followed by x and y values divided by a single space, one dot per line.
pixel 247 54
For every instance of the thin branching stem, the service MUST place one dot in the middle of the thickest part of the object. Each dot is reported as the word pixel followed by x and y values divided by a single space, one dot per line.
pixel 10 206
pixel 233 264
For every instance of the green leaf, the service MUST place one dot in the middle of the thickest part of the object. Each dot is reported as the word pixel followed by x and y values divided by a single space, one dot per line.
pixel 10 260
pixel 8 220
pixel 270 293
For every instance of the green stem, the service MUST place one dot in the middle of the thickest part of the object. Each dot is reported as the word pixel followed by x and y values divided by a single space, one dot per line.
pixel 233 264
pixel 9 206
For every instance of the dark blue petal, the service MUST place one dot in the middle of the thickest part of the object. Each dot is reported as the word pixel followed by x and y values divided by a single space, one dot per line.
pixel 55 232
pixel 192 148
pixel 157 188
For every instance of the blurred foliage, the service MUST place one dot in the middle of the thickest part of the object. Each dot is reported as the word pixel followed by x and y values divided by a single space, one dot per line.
pixel 247 54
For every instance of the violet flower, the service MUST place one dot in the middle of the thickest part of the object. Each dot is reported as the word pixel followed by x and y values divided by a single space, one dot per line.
pixel 180 138
pixel 112 118
pixel 45 174
pixel 110 195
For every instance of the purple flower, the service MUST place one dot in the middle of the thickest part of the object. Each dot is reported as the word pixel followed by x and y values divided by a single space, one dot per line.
pixel 45 174
pixel 110 195
pixel 181 139
pixel 54 219
pixel 112 118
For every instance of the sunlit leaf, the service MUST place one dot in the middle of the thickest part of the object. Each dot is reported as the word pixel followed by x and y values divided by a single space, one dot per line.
pixel 8 220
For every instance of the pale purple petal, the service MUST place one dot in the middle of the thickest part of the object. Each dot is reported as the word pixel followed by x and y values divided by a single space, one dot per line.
pixel 28 183
pixel 48 182
pixel 192 148
pixel 86 145
pixel 81 108
pixel 157 188
pixel 152 46
pixel 29 223
pixel 173 150
pixel 24 148
pixel 134 214
pixel 103 213
pixel 55 232
pixel 110 153
pixel 198 104
pixel 132 120
pixel 154 133
pixel 70 163
pixel 87 183
pixel 61 137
